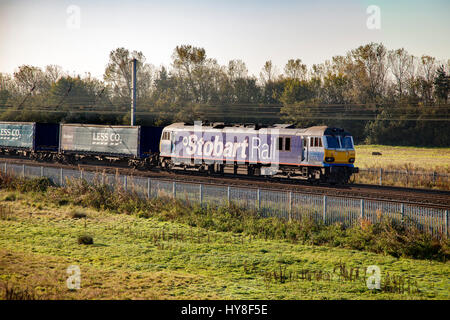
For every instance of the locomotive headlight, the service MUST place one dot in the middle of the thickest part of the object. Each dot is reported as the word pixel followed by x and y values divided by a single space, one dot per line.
pixel 351 160
pixel 329 159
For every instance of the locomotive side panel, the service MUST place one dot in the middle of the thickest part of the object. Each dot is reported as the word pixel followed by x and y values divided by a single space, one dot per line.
pixel 221 146
pixel 187 146
pixel 315 150
pixel 290 148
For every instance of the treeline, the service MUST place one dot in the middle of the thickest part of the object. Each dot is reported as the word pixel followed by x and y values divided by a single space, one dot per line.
pixel 380 95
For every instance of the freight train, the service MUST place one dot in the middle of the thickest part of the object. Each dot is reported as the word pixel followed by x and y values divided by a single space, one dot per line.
pixel 316 154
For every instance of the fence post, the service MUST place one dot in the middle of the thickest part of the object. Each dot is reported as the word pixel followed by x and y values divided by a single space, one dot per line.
pixel 407 177
pixel 174 189
pixel 228 194
pixel 446 224
pixel 103 178
pixel 402 211
pixel 290 206
pixel 42 171
pixel 23 171
pixel 125 182
pixel 61 176
pixel 201 194
pixel 258 197
pixel 361 216
pixel 6 171
pixel 381 177
pixel 148 187
pixel 81 174
pixel 324 208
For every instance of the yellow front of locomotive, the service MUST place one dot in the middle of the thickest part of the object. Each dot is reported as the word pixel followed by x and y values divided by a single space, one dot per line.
pixel 339 157
pixel 339 150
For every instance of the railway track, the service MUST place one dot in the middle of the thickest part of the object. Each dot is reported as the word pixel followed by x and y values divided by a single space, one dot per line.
pixel 434 198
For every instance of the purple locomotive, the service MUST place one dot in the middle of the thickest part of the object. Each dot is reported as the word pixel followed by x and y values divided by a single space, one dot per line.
pixel 317 153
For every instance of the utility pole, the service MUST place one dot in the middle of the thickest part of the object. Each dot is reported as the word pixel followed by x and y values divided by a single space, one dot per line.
pixel 133 92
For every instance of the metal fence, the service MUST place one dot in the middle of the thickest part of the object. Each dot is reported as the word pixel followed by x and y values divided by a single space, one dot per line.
pixel 269 203
pixel 406 178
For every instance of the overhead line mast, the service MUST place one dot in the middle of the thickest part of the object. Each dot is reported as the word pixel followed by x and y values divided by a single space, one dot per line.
pixel 133 91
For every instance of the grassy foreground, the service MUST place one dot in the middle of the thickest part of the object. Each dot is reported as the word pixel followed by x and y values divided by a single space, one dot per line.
pixel 146 257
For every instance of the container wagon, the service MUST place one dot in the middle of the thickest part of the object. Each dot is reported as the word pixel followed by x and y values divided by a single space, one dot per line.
pixel 137 145
pixel 30 139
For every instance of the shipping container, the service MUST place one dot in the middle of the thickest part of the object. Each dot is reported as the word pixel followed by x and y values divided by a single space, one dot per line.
pixel 126 141
pixel 30 136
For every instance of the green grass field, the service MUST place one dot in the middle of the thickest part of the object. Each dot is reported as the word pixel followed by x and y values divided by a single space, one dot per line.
pixel 412 158
pixel 146 258
pixel 426 161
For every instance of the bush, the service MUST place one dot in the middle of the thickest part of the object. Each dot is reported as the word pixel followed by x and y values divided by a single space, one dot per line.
pixel 10 197
pixel 85 239
pixel 25 184
pixel 78 215
pixel 32 185
pixel 13 292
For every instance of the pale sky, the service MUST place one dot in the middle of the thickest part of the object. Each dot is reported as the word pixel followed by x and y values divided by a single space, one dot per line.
pixel 42 32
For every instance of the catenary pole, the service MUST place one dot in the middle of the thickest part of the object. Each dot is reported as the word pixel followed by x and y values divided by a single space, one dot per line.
pixel 133 92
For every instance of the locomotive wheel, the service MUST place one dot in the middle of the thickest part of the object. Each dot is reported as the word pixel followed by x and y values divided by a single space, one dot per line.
pixel 167 165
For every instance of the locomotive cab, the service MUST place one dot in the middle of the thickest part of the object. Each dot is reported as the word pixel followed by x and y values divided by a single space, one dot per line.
pixel 339 149
pixel 339 154
pixel 166 143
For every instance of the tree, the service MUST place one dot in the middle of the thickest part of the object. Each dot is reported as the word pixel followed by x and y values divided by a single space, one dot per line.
pixel 5 89
pixel 71 93
pixel 268 73
pixel 118 74
pixel 335 88
pixel 163 81
pixel 369 71
pixel 427 71
pixel 294 69
pixel 53 73
pixel 211 79
pixel 237 69
pixel 401 64
pixel 188 62
pixel 333 81
pixel 246 90
pixel 296 91
pixel 30 80
pixel 441 84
